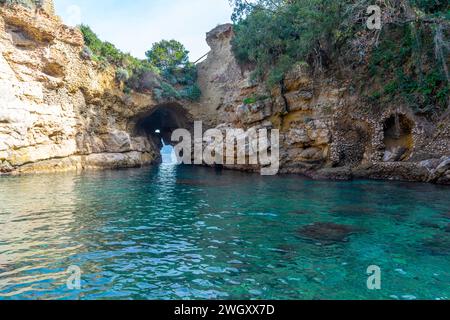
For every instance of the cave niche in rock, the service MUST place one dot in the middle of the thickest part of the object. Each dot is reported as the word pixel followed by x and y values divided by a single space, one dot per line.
pixel 159 123
pixel 398 138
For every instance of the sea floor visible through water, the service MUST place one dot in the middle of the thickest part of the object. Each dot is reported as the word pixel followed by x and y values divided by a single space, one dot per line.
pixel 181 232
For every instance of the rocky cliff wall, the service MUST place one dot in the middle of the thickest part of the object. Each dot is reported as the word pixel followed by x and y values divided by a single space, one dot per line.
pixel 327 131
pixel 58 111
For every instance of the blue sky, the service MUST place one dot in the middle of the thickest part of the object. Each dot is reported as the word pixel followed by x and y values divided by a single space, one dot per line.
pixel 133 26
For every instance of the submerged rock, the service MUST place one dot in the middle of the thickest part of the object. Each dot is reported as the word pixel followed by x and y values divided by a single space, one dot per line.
pixel 439 245
pixel 427 224
pixel 327 232
pixel 299 212
pixel 446 215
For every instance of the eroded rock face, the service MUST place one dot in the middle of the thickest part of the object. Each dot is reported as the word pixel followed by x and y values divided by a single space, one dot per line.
pixel 326 129
pixel 57 111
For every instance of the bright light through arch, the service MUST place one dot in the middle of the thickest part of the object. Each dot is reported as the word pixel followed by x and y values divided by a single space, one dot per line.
pixel 168 154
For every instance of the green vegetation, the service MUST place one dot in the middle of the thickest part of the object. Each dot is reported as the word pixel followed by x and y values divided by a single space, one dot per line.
pixel 273 35
pixel 166 72
pixel 409 61
pixel 172 61
pixel 248 101
pixel 431 6
pixel 254 99
pixel 406 64
pixel 168 55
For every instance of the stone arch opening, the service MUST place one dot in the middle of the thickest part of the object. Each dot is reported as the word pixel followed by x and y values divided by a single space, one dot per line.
pixel 159 123
pixel 398 138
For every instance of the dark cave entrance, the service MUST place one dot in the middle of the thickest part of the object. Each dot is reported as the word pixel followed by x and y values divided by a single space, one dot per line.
pixel 398 138
pixel 158 125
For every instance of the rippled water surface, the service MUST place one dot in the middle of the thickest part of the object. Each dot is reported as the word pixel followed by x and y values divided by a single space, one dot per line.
pixel 192 233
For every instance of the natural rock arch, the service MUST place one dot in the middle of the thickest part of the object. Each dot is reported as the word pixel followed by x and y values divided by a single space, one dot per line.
pixel 158 123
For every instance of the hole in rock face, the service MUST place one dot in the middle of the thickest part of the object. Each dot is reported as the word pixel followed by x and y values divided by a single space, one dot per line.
pixel 398 138
pixel 159 123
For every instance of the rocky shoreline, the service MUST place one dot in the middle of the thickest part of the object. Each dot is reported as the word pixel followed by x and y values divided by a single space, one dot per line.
pixel 61 112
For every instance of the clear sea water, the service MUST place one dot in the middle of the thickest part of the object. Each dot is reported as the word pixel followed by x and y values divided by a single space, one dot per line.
pixel 173 232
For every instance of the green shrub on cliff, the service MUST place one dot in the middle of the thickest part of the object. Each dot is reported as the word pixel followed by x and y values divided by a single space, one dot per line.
pixel 168 55
pixel 91 40
pixel 191 92
pixel 406 64
pixel 180 76
pixel 409 59
pixel 122 75
pixel 103 50
pixel 143 79
pixel 431 6
pixel 274 35
pixel 167 71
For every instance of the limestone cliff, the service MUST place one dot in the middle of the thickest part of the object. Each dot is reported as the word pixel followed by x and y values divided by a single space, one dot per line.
pixel 58 111
pixel 327 130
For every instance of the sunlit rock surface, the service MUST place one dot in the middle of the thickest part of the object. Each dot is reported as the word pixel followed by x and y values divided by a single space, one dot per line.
pixel 327 131
pixel 58 111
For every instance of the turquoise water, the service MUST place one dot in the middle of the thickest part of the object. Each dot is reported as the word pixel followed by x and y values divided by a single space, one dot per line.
pixel 193 233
